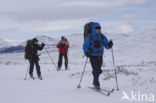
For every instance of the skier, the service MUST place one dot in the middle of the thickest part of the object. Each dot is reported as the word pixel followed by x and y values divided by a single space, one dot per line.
pixel 63 46
pixel 33 56
pixel 94 48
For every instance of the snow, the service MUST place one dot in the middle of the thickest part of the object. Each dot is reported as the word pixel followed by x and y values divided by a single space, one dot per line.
pixel 135 57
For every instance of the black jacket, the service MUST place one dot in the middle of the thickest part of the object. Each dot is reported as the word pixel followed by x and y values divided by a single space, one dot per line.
pixel 34 51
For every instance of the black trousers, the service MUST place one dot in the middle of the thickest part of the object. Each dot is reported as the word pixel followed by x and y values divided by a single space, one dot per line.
pixel 60 60
pixel 36 63
pixel 96 63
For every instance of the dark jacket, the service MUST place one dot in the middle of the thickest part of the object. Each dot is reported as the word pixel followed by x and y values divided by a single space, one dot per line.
pixel 33 55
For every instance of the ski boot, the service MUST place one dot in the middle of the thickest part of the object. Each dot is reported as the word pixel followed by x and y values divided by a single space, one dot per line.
pixel 58 68
pixel 66 68
pixel 96 82
pixel 39 76
pixel 31 76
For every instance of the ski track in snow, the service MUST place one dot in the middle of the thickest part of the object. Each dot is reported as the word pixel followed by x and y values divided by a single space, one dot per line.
pixel 135 69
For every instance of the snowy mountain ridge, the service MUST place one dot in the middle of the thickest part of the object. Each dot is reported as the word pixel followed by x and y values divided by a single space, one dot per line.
pixel 141 45
pixel 11 46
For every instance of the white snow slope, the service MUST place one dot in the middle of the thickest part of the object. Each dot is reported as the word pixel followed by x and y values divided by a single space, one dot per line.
pixel 135 58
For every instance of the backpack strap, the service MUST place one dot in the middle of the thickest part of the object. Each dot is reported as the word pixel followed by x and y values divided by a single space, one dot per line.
pixel 102 38
pixel 91 39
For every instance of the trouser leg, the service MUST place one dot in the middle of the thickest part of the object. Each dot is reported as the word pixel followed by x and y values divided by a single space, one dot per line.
pixel 31 68
pixel 38 68
pixel 96 63
pixel 66 61
pixel 60 61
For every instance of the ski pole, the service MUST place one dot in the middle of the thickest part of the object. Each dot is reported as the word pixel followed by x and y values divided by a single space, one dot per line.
pixel 79 86
pixel 116 79
pixel 51 58
pixel 26 73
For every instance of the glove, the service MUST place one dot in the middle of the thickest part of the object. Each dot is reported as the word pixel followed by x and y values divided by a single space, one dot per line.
pixel 43 44
pixel 87 54
pixel 63 45
pixel 26 58
pixel 90 51
pixel 110 44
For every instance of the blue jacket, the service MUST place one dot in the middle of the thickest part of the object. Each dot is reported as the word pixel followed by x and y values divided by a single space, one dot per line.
pixel 96 37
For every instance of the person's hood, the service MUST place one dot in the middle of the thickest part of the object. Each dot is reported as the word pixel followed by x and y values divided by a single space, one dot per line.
pixel 94 34
pixel 63 41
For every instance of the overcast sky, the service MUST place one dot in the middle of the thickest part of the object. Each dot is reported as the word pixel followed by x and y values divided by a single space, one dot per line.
pixel 24 19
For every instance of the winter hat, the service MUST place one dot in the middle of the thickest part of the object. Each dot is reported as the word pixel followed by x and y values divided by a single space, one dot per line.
pixel 35 40
pixel 62 37
pixel 98 27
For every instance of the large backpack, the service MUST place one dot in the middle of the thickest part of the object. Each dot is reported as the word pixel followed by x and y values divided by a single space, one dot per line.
pixel 88 32
pixel 27 49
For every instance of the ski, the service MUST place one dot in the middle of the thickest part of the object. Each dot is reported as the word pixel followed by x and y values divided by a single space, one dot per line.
pixel 101 91
pixel 111 91
pixel 33 78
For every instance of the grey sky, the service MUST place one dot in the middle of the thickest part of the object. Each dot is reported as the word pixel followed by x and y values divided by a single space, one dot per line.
pixel 23 19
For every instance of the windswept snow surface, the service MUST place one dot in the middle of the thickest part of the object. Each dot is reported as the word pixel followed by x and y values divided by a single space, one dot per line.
pixel 135 58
